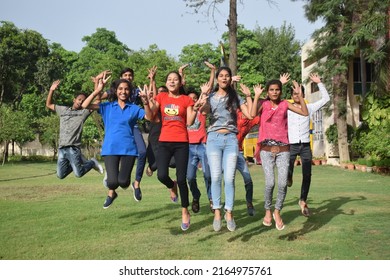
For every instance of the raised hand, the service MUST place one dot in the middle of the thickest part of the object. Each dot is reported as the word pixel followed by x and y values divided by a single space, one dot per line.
pixel 315 78
pixel 103 80
pixel 201 101
pixel 297 88
pixel 258 89
pixel 205 88
pixel 245 90
pixel 236 79
pixel 144 94
pixel 54 85
pixel 152 72
pixel 209 65
pixel 284 78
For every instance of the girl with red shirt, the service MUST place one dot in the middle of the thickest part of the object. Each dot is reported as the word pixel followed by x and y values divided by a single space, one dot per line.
pixel 177 112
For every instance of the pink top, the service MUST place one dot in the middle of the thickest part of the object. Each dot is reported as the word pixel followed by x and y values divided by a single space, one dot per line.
pixel 273 122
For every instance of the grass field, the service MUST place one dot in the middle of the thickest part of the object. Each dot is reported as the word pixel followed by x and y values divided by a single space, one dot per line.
pixel 45 218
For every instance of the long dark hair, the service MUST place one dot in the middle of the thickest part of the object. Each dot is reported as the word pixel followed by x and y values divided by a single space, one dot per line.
pixel 233 102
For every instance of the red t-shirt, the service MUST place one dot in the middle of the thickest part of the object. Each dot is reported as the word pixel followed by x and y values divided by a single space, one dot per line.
pixel 244 125
pixel 174 117
pixel 197 132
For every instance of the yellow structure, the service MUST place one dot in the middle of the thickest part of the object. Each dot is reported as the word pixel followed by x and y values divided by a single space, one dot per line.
pixel 249 145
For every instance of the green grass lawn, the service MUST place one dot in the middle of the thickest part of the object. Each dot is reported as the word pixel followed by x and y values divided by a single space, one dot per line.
pixel 45 218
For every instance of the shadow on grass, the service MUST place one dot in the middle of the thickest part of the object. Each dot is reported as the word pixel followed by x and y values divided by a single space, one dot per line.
pixel 319 217
pixel 28 177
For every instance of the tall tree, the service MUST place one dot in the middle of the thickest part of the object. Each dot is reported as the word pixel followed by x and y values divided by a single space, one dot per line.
pixel 20 50
pixel 265 53
pixel 232 23
pixel 339 40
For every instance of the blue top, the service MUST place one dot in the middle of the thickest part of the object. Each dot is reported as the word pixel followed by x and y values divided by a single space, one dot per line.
pixel 118 128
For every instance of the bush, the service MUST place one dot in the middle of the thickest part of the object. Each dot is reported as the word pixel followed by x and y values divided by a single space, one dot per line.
pixel 19 158
pixel 331 134
pixel 362 161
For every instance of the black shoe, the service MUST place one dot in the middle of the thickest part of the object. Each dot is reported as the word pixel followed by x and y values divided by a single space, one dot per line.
pixel 137 192
pixel 289 182
pixel 195 205
pixel 211 206
pixel 109 200
pixel 250 209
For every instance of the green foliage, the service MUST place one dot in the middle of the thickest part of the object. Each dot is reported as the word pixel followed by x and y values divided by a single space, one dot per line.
pixel 34 158
pixel 143 60
pixel 20 50
pixel 15 126
pixel 197 73
pixel 50 131
pixel 265 53
pixel 331 134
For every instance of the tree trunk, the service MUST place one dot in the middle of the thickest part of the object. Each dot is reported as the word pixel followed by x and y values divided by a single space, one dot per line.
pixel 5 153
pixel 232 25
pixel 340 112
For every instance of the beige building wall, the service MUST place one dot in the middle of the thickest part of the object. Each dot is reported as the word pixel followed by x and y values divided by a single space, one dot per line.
pixel 320 146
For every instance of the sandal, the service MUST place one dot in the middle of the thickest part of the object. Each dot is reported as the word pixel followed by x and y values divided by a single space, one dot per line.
pixel 149 171
pixel 304 209
pixel 267 222
pixel 281 225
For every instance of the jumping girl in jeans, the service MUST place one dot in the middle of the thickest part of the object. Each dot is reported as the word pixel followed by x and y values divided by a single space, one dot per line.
pixel 222 144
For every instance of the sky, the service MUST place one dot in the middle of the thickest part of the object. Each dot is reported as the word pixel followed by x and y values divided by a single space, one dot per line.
pixel 139 23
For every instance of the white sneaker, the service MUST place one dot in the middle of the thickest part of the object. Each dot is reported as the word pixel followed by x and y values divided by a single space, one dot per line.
pixel 97 166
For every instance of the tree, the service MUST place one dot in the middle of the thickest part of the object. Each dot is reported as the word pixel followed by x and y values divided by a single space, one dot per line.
pixel 14 126
pixel 50 127
pixel 197 72
pixel 265 53
pixel 232 23
pixel 341 37
pixel 20 51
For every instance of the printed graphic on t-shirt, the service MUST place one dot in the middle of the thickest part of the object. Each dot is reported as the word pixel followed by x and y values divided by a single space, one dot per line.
pixel 195 125
pixel 171 110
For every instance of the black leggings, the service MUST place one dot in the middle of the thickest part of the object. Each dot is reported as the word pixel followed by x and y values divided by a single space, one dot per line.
pixel 118 170
pixel 180 151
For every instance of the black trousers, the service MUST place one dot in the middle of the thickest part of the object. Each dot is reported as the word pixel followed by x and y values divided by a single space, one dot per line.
pixel 180 151
pixel 304 151
pixel 118 170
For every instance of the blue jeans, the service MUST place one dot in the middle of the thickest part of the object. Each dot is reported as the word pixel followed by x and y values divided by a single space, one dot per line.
pixel 242 167
pixel 70 159
pixel 304 151
pixel 222 152
pixel 268 161
pixel 141 159
pixel 198 154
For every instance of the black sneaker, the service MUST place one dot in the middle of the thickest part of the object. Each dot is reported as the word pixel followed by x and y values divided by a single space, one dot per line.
pixel 289 182
pixel 137 194
pixel 109 200
pixel 195 205
pixel 250 209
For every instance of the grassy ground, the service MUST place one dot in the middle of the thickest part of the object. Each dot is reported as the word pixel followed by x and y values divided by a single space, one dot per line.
pixel 44 218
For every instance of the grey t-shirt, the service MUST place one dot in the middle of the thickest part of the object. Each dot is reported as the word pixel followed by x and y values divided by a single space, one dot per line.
pixel 220 117
pixel 71 125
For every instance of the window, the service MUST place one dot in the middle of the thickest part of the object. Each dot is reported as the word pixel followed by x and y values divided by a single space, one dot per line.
pixel 318 134
pixel 357 76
